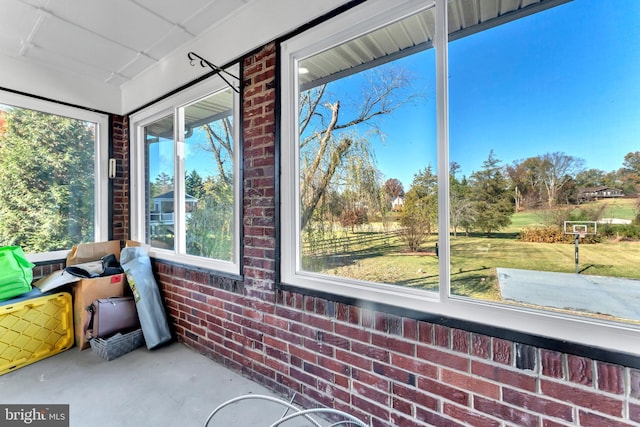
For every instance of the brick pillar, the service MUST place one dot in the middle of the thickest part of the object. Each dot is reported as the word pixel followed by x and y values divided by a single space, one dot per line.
pixel 120 184
pixel 259 172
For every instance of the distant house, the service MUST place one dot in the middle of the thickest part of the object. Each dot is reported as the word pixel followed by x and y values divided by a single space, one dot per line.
pixel 397 204
pixel 162 210
pixel 596 193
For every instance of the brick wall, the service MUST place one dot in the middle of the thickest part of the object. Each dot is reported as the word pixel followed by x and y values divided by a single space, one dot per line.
pixel 389 370
pixel 120 184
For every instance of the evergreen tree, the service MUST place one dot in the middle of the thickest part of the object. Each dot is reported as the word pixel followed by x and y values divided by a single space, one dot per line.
pixel 210 224
pixel 419 216
pixel 194 185
pixel 46 181
pixel 461 208
pixel 491 197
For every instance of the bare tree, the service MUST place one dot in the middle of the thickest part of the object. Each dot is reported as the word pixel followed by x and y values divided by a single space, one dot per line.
pixel 556 170
pixel 328 134
pixel 221 145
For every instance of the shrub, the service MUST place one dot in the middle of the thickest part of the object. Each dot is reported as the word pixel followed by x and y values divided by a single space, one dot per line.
pixel 553 234
pixel 620 231
pixel 550 234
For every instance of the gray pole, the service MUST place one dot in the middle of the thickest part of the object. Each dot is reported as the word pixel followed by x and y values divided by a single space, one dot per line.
pixel 577 238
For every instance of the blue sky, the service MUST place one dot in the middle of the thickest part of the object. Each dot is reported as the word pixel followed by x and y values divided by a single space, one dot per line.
pixel 563 80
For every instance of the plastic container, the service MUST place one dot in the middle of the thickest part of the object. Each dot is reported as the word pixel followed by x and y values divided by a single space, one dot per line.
pixel 33 329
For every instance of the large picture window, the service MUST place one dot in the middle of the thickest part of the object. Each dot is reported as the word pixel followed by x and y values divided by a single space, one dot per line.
pixel 53 183
pixel 458 158
pixel 187 203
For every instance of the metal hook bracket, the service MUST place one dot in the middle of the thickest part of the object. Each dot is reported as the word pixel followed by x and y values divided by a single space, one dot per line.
pixel 219 71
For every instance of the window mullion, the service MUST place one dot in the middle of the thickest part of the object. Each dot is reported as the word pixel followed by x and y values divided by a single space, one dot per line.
pixel 442 119
pixel 179 185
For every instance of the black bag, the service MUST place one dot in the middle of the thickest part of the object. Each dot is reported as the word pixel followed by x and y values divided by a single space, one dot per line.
pixel 107 266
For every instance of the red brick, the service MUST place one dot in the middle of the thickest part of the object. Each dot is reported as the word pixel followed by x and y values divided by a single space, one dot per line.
pixel 318 371
pixel 580 370
pixel 410 329
pixel 551 423
pixel 610 378
pixel 303 377
pixel 315 395
pixel 467 416
pixel 425 332
pixel 435 419
pixel 443 358
pixel 335 340
pixel 470 383
pixel 402 406
pixel 441 336
pixel 502 351
pixel 395 344
pixel 583 398
pixel 395 374
pixel 372 393
pixel 371 379
pixel 634 412
pixel 373 352
pixel 505 412
pixel 376 410
pixel 635 383
pixel 354 314
pixel 302 353
pixel 318 347
pixel 336 390
pixel 411 364
pixel 342 312
pixel 538 404
pixel 446 391
pixel 354 360
pixel 414 395
pixel 460 341
pixel 302 330
pixel 589 419
pixel 504 375
pixel 353 332
pixel 277 354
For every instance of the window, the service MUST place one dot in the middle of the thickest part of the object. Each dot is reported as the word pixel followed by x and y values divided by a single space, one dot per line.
pixel 504 128
pixel 545 127
pixel 186 197
pixel 53 181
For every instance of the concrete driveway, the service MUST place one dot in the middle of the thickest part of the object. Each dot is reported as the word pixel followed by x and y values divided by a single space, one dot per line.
pixel 579 292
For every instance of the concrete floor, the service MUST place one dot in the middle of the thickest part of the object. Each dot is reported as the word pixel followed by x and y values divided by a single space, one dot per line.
pixel 168 386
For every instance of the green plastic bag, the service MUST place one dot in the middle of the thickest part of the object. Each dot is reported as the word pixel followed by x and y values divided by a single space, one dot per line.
pixel 16 273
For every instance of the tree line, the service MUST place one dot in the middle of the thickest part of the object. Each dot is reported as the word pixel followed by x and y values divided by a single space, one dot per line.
pixel 486 200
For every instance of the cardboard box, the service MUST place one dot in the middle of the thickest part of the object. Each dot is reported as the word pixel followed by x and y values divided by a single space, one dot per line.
pixel 87 252
pixel 85 292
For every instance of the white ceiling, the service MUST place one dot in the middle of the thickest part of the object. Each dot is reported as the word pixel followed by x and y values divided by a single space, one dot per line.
pixel 117 55
pixel 109 41
pixel 105 45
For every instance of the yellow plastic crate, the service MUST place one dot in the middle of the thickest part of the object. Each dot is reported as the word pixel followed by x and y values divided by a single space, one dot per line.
pixel 33 329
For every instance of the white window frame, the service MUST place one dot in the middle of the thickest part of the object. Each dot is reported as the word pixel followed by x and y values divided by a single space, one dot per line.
pixel 101 156
pixel 139 120
pixel 355 22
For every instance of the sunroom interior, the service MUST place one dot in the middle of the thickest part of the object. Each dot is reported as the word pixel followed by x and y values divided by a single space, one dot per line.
pixel 167 84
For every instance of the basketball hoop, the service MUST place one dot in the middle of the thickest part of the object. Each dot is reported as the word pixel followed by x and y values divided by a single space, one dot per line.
pixel 579 230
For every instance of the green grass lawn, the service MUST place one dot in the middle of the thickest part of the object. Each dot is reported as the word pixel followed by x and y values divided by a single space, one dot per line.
pixel 474 258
